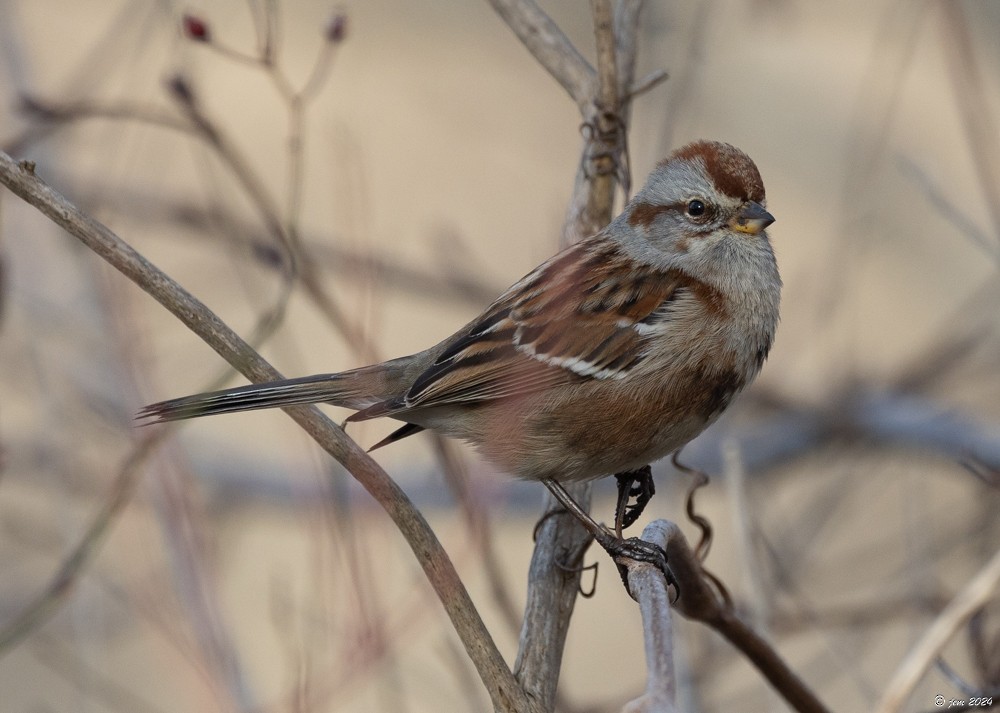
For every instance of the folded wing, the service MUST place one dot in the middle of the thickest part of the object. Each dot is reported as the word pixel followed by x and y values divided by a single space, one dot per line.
pixel 585 314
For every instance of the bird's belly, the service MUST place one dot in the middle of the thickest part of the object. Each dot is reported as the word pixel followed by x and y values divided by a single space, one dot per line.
pixel 590 431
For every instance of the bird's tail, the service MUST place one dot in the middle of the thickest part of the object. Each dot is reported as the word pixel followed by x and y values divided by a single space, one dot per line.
pixel 353 389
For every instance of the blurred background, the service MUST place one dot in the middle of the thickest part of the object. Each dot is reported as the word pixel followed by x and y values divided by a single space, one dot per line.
pixel 418 161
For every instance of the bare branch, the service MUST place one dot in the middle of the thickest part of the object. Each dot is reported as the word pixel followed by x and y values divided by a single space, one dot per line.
pixel 553 586
pixel 605 127
pixel 648 82
pixel 980 129
pixel 503 689
pixel 604 163
pixel 700 602
pixel 883 417
pixel 980 589
pixel 626 29
pixel 650 590
pixel 554 576
pixel 605 124
pixel 550 46
pixel 237 161
pixel 607 54
pixel 286 235
pixel 948 209
pixel 62 584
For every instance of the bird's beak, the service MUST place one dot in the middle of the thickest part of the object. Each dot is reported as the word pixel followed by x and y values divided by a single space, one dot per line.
pixel 751 219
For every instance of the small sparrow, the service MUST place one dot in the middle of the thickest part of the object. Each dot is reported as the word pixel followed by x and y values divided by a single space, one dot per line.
pixel 610 355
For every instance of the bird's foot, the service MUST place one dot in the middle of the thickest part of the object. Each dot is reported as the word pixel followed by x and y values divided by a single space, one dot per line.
pixel 636 484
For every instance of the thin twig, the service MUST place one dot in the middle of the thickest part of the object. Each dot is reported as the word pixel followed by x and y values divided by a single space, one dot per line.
pixel 955 214
pixel 270 30
pixel 976 112
pixel 648 82
pixel 735 478
pixel 48 116
pixel 63 582
pixel 63 656
pixel 191 582
pixel 261 198
pixel 980 589
pixel 296 266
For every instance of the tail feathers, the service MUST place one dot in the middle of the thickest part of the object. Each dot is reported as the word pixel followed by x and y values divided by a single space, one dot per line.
pixel 340 389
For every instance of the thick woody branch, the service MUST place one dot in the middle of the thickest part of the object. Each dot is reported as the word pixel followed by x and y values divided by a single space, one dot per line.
pixel 607 55
pixel 553 586
pixel 648 586
pixel 606 126
pixel 604 162
pixel 503 689
pixel 553 583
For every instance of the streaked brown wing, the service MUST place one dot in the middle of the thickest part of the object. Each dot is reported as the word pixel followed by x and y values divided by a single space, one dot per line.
pixel 581 315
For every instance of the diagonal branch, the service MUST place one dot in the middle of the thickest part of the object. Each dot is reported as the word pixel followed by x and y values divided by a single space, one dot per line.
pixel 970 93
pixel 550 46
pixel 505 692
pixel 974 596
pixel 31 618
pixel 700 602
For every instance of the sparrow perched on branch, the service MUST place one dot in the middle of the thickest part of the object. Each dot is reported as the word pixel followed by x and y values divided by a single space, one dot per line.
pixel 612 354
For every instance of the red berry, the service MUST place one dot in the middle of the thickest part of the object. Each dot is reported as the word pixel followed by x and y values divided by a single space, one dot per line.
pixel 336 29
pixel 196 29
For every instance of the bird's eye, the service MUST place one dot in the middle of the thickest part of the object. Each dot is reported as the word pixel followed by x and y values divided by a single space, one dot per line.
pixel 696 208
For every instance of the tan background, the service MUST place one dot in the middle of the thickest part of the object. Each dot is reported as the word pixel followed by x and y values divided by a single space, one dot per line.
pixel 236 579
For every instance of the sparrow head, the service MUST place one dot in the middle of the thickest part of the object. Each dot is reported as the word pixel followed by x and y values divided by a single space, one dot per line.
pixel 701 205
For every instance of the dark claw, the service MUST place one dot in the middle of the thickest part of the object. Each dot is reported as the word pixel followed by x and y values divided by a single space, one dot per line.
pixel 641 551
pixel 619 548
pixel 636 484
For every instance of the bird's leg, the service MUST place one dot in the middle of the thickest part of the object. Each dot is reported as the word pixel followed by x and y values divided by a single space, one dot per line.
pixel 636 484
pixel 617 547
